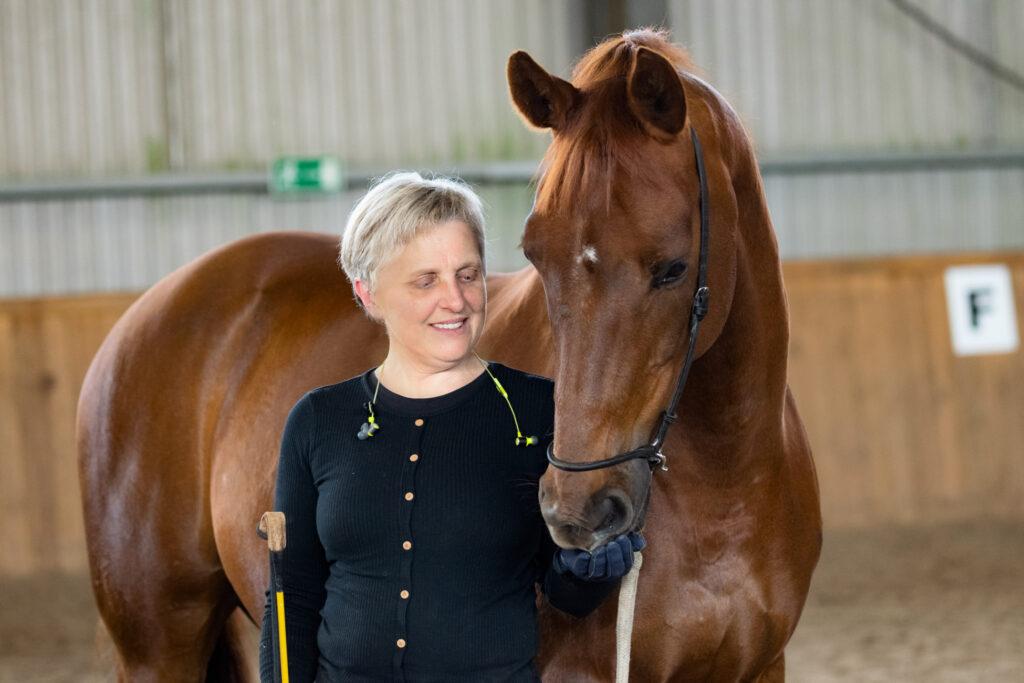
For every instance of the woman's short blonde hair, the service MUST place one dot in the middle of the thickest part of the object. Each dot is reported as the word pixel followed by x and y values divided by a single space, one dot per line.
pixel 394 210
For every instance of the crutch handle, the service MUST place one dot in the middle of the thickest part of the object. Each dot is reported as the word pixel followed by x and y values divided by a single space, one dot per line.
pixel 271 528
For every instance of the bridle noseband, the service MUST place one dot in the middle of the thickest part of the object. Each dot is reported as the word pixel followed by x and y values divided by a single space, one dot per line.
pixel 652 451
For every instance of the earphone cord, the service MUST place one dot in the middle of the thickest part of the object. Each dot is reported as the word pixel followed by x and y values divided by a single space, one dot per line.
pixel 501 390
pixel 373 400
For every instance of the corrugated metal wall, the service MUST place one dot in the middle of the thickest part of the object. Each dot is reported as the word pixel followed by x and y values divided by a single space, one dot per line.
pixel 376 82
pixel 868 214
pixel 80 88
pixel 124 86
pixel 856 75
pixel 127 244
pixel 117 86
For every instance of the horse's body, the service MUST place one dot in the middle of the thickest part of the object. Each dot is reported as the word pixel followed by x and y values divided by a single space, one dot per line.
pixel 181 413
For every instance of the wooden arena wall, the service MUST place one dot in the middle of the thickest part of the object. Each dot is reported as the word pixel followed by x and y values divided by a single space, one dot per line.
pixel 903 430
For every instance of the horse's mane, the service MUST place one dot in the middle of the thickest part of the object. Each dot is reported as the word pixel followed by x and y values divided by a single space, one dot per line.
pixel 603 133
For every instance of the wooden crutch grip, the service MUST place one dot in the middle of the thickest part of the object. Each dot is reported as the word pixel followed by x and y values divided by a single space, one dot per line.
pixel 271 527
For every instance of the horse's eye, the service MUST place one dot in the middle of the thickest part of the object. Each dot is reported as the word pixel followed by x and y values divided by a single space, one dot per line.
pixel 667 273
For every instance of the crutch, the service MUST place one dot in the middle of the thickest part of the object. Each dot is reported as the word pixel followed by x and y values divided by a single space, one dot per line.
pixel 271 528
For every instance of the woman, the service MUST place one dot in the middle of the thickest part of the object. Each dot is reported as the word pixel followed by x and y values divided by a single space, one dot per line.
pixel 414 536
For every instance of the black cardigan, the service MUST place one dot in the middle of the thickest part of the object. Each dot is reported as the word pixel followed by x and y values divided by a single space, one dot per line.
pixel 412 555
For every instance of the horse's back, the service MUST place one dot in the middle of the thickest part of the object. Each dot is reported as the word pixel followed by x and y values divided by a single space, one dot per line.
pixel 171 351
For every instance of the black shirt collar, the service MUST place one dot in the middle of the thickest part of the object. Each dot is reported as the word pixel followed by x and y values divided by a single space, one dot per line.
pixel 389 401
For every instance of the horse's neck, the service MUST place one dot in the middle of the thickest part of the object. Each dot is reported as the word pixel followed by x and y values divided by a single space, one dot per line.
pixel 517 331
pixel 736 391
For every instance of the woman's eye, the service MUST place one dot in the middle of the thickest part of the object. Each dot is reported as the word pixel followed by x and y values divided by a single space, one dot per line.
pixel 667 273
pixel 469 276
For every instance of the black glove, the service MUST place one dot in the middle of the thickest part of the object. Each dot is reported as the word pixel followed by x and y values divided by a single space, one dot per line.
pixel 611 561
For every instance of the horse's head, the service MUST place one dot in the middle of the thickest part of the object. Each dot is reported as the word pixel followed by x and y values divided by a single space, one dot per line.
pixel 615 236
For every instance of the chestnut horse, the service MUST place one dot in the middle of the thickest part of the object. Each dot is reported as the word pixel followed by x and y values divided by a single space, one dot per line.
pixel 181 412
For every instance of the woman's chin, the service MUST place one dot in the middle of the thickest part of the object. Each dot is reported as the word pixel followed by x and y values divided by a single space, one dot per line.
pixel 451 345
pixel 448 350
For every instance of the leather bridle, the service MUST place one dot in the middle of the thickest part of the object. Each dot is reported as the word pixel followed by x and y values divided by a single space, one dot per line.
pixel 652 451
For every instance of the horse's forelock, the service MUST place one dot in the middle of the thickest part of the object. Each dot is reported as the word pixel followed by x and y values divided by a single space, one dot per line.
pixel 603 135
pixel 613 57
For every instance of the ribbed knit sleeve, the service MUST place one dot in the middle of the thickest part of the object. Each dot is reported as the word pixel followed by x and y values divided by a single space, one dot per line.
pixel 303 563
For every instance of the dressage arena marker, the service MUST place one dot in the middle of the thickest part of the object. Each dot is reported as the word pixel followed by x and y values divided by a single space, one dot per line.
pixel 982 315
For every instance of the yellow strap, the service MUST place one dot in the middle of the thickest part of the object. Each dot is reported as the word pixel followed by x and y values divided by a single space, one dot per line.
pixel 281 638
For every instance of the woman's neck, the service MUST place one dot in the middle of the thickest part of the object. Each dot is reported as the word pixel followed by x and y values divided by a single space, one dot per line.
pixel 407 377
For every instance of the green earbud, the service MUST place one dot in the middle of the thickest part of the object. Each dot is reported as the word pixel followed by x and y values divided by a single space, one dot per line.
pixel 370 426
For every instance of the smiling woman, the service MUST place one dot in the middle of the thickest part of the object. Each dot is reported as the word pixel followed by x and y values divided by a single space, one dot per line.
pixel 414 553
pixel 413 249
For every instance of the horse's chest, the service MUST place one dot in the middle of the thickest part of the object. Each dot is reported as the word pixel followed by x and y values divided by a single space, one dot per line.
pixel 724 636
pixel 685 629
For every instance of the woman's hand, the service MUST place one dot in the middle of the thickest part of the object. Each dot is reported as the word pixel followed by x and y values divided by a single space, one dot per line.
pixel 611 561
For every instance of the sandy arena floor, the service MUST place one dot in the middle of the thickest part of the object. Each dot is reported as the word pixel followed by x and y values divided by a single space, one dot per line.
pixel 941 603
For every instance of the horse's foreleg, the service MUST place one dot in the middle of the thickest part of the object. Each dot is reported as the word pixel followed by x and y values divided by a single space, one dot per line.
pixel 776 671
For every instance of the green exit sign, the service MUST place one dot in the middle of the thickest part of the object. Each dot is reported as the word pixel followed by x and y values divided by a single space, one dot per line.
pixel 301 175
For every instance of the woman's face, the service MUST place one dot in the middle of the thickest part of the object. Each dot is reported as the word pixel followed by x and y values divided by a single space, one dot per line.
pixel 436 279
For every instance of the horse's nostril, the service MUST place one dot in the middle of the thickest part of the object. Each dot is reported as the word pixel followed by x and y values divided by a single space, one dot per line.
pixel 617 512
pixel 609 520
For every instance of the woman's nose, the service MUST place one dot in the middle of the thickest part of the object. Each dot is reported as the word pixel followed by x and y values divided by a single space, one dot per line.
pixel 454 297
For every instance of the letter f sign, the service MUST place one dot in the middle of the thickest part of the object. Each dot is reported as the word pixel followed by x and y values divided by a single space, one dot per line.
pixel 978 300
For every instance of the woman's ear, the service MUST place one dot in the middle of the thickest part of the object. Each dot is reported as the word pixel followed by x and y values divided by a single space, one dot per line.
pixel 366 299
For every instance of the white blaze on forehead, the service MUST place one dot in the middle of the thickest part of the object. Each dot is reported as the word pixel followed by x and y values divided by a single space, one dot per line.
pixel 589 253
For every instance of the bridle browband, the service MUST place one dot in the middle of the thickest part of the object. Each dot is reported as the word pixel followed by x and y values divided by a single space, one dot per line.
pixel 652 451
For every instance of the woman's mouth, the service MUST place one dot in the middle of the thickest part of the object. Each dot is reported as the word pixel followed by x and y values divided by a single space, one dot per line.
pixel 451 326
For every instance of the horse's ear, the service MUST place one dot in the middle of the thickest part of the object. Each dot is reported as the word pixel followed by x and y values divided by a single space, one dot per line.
pixel 545 101
pixel 655 95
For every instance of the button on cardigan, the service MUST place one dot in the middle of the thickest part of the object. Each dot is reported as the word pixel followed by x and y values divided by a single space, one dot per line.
pixel 413 555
